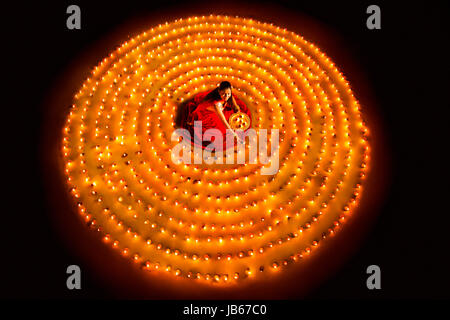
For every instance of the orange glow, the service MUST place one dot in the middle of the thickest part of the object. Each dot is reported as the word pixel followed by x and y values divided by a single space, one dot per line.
pixel 215 223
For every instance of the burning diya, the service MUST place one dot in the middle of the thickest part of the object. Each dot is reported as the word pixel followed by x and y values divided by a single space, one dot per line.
pixel 218 222
pixel 239 120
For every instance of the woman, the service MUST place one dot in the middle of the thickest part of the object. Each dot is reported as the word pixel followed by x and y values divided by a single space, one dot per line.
pixel 214 108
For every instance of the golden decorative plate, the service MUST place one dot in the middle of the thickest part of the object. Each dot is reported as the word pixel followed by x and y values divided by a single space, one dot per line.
pixel 239 120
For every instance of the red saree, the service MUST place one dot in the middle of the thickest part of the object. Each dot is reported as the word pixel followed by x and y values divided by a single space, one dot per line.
pixel 202 109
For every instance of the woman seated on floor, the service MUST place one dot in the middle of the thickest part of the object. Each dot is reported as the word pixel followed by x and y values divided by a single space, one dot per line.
pixel 214 108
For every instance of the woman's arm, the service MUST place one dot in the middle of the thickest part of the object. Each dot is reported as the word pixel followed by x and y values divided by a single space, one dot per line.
pixel 222 116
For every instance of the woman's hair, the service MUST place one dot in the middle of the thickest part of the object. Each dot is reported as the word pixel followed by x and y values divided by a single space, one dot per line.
pixel 224 85
pixel 214 94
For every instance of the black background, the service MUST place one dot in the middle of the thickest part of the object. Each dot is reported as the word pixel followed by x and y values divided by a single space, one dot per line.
pixel 407 67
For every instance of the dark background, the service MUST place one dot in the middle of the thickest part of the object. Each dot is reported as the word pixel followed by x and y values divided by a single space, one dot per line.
pixel 406 66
